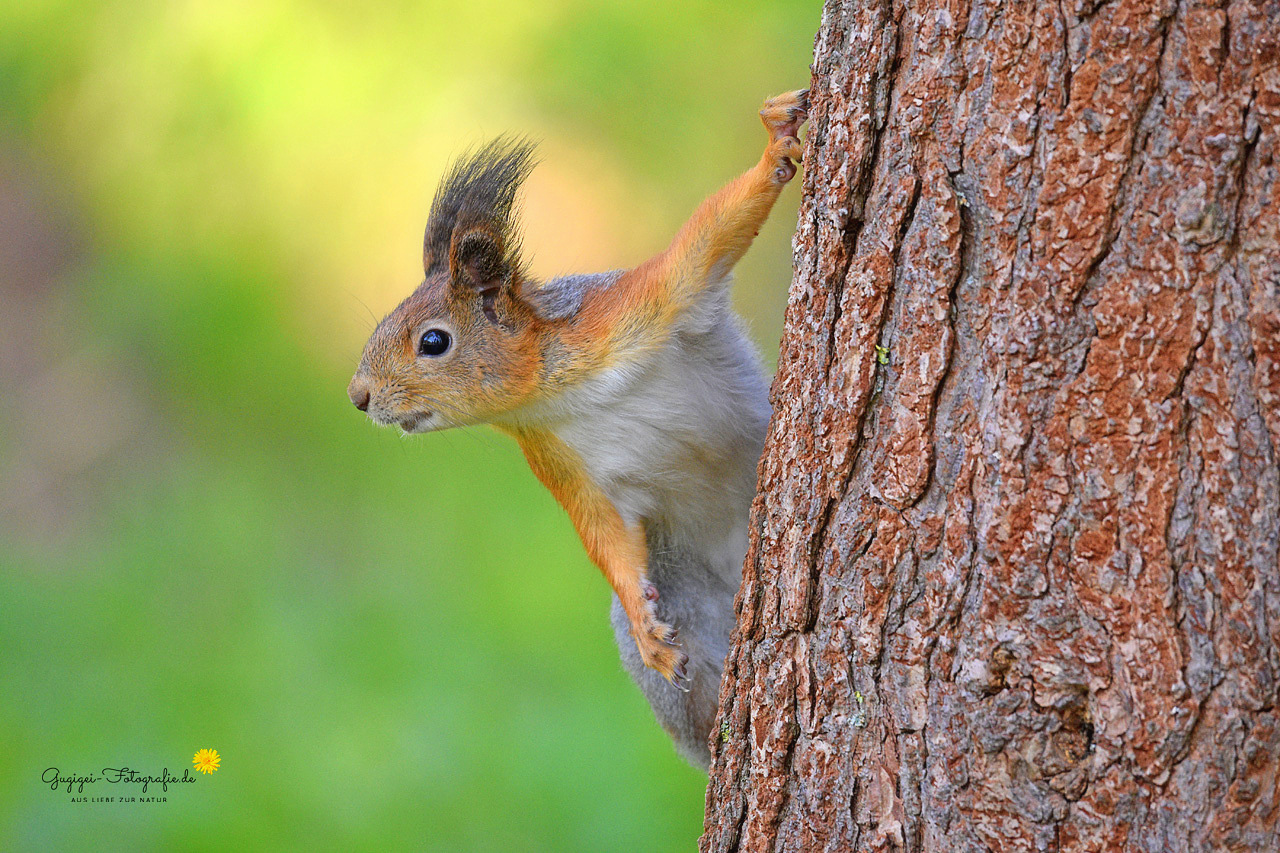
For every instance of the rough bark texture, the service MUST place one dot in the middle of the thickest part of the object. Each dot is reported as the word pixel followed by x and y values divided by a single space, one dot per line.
pixel 1014 579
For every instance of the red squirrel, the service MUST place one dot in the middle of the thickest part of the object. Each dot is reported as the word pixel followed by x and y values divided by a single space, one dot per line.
pixel 634 394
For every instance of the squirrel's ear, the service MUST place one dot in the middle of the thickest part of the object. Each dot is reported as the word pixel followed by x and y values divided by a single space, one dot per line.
pixel 478 263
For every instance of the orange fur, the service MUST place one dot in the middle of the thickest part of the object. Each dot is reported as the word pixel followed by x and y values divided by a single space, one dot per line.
pixel 616 548
pixel 704 250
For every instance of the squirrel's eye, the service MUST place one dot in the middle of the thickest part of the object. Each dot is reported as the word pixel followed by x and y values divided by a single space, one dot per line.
pixel 434 342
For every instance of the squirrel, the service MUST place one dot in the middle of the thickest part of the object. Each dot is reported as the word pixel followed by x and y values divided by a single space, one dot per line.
pixel 634 395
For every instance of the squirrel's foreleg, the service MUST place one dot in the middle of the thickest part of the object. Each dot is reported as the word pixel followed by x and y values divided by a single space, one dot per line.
pixel 721 230
pixel 707 246
pixel 617 548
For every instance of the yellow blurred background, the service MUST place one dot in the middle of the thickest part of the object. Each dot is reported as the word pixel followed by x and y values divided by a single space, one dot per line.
pixel 392 643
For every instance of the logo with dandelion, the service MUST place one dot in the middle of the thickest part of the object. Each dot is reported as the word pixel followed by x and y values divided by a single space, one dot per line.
pixel 207 760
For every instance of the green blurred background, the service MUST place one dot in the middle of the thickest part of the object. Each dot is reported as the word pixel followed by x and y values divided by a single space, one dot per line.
pixel 393 643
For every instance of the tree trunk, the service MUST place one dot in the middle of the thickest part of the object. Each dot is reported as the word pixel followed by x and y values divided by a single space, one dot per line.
pixel 1014 580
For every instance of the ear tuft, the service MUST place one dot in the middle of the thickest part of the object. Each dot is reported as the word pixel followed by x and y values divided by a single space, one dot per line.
pixel 473 217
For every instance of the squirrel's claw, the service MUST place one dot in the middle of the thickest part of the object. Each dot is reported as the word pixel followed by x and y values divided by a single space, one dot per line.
pixel 680 675
pixel 782 116
pixel 660 650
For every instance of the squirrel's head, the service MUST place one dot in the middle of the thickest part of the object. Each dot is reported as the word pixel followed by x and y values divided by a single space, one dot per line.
pixel 463 348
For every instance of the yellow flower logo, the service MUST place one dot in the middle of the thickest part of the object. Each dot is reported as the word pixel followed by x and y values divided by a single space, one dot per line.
pixel 206 760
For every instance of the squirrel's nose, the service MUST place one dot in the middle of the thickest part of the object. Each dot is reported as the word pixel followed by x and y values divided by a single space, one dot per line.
pixel 359 394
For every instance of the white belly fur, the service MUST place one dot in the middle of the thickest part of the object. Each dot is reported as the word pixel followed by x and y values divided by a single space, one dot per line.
pixel 674 440
pixel 674 443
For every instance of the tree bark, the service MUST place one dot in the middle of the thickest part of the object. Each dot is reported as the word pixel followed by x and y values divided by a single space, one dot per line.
pixel 1014 580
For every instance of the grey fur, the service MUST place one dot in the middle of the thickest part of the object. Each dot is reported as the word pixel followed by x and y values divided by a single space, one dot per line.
pixel 673 437
pixel 700 603
pixel 696 580
pixel 560 298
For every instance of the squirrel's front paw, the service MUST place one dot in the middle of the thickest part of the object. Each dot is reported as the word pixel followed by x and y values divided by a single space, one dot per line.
pixel 660 652
pixel 782 116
